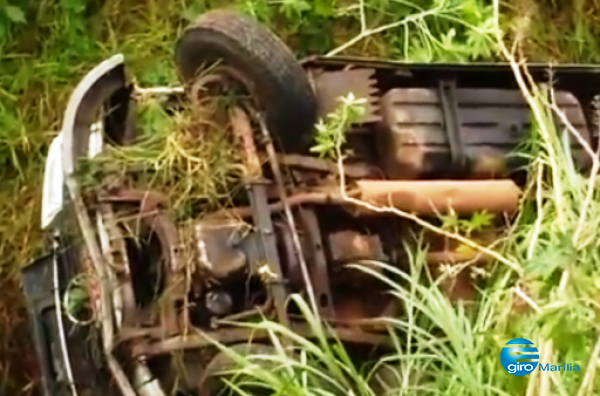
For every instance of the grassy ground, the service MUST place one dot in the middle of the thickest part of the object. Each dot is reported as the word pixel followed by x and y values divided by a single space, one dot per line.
pixel 47 45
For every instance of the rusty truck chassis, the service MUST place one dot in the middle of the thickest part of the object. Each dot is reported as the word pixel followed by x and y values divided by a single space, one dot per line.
pixel 423 146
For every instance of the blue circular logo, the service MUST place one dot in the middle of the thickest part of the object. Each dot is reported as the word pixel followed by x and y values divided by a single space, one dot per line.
pixel 519 357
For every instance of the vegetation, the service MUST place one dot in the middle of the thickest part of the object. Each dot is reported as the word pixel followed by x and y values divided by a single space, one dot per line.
pixel 47 45
pixel 189 157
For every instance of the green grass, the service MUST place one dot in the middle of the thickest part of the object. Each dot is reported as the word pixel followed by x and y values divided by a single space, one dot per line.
pixel 46 46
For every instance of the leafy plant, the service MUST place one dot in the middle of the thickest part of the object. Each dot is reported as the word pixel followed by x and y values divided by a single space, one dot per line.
pixel 331 132
pixel 477 222
pixel 10 15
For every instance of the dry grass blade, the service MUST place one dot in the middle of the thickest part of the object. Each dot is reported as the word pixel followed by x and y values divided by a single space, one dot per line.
pixel 191 157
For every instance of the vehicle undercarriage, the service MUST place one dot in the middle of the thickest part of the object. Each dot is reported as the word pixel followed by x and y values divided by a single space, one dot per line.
pixel 433 139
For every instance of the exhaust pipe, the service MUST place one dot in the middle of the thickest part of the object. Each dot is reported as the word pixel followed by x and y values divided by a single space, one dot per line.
pixel 431 197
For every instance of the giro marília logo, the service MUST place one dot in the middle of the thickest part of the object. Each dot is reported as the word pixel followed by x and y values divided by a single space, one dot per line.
pixel 519 357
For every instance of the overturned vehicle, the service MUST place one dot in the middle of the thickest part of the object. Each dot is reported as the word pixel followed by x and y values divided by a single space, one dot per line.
pixel 432 139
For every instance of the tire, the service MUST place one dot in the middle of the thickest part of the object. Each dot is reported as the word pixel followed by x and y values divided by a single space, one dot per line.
pixel 277 81
pixel 211 381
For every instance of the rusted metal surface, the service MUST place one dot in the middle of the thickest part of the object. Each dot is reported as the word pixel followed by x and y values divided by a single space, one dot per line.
pixel 175 274
pixel 147 218
pixel 217 252
pixel 243 132
pixel 147 199
pixel 288 216
pixel 264 224
pixel 424 197
pixel 430 197
pixel 331 86
pixel 293 272
pixel 318 268
pixel 352 245
pixel 424 129
pixel 357 171
pixel 202 339
pixel 260 213
pixel 331 197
